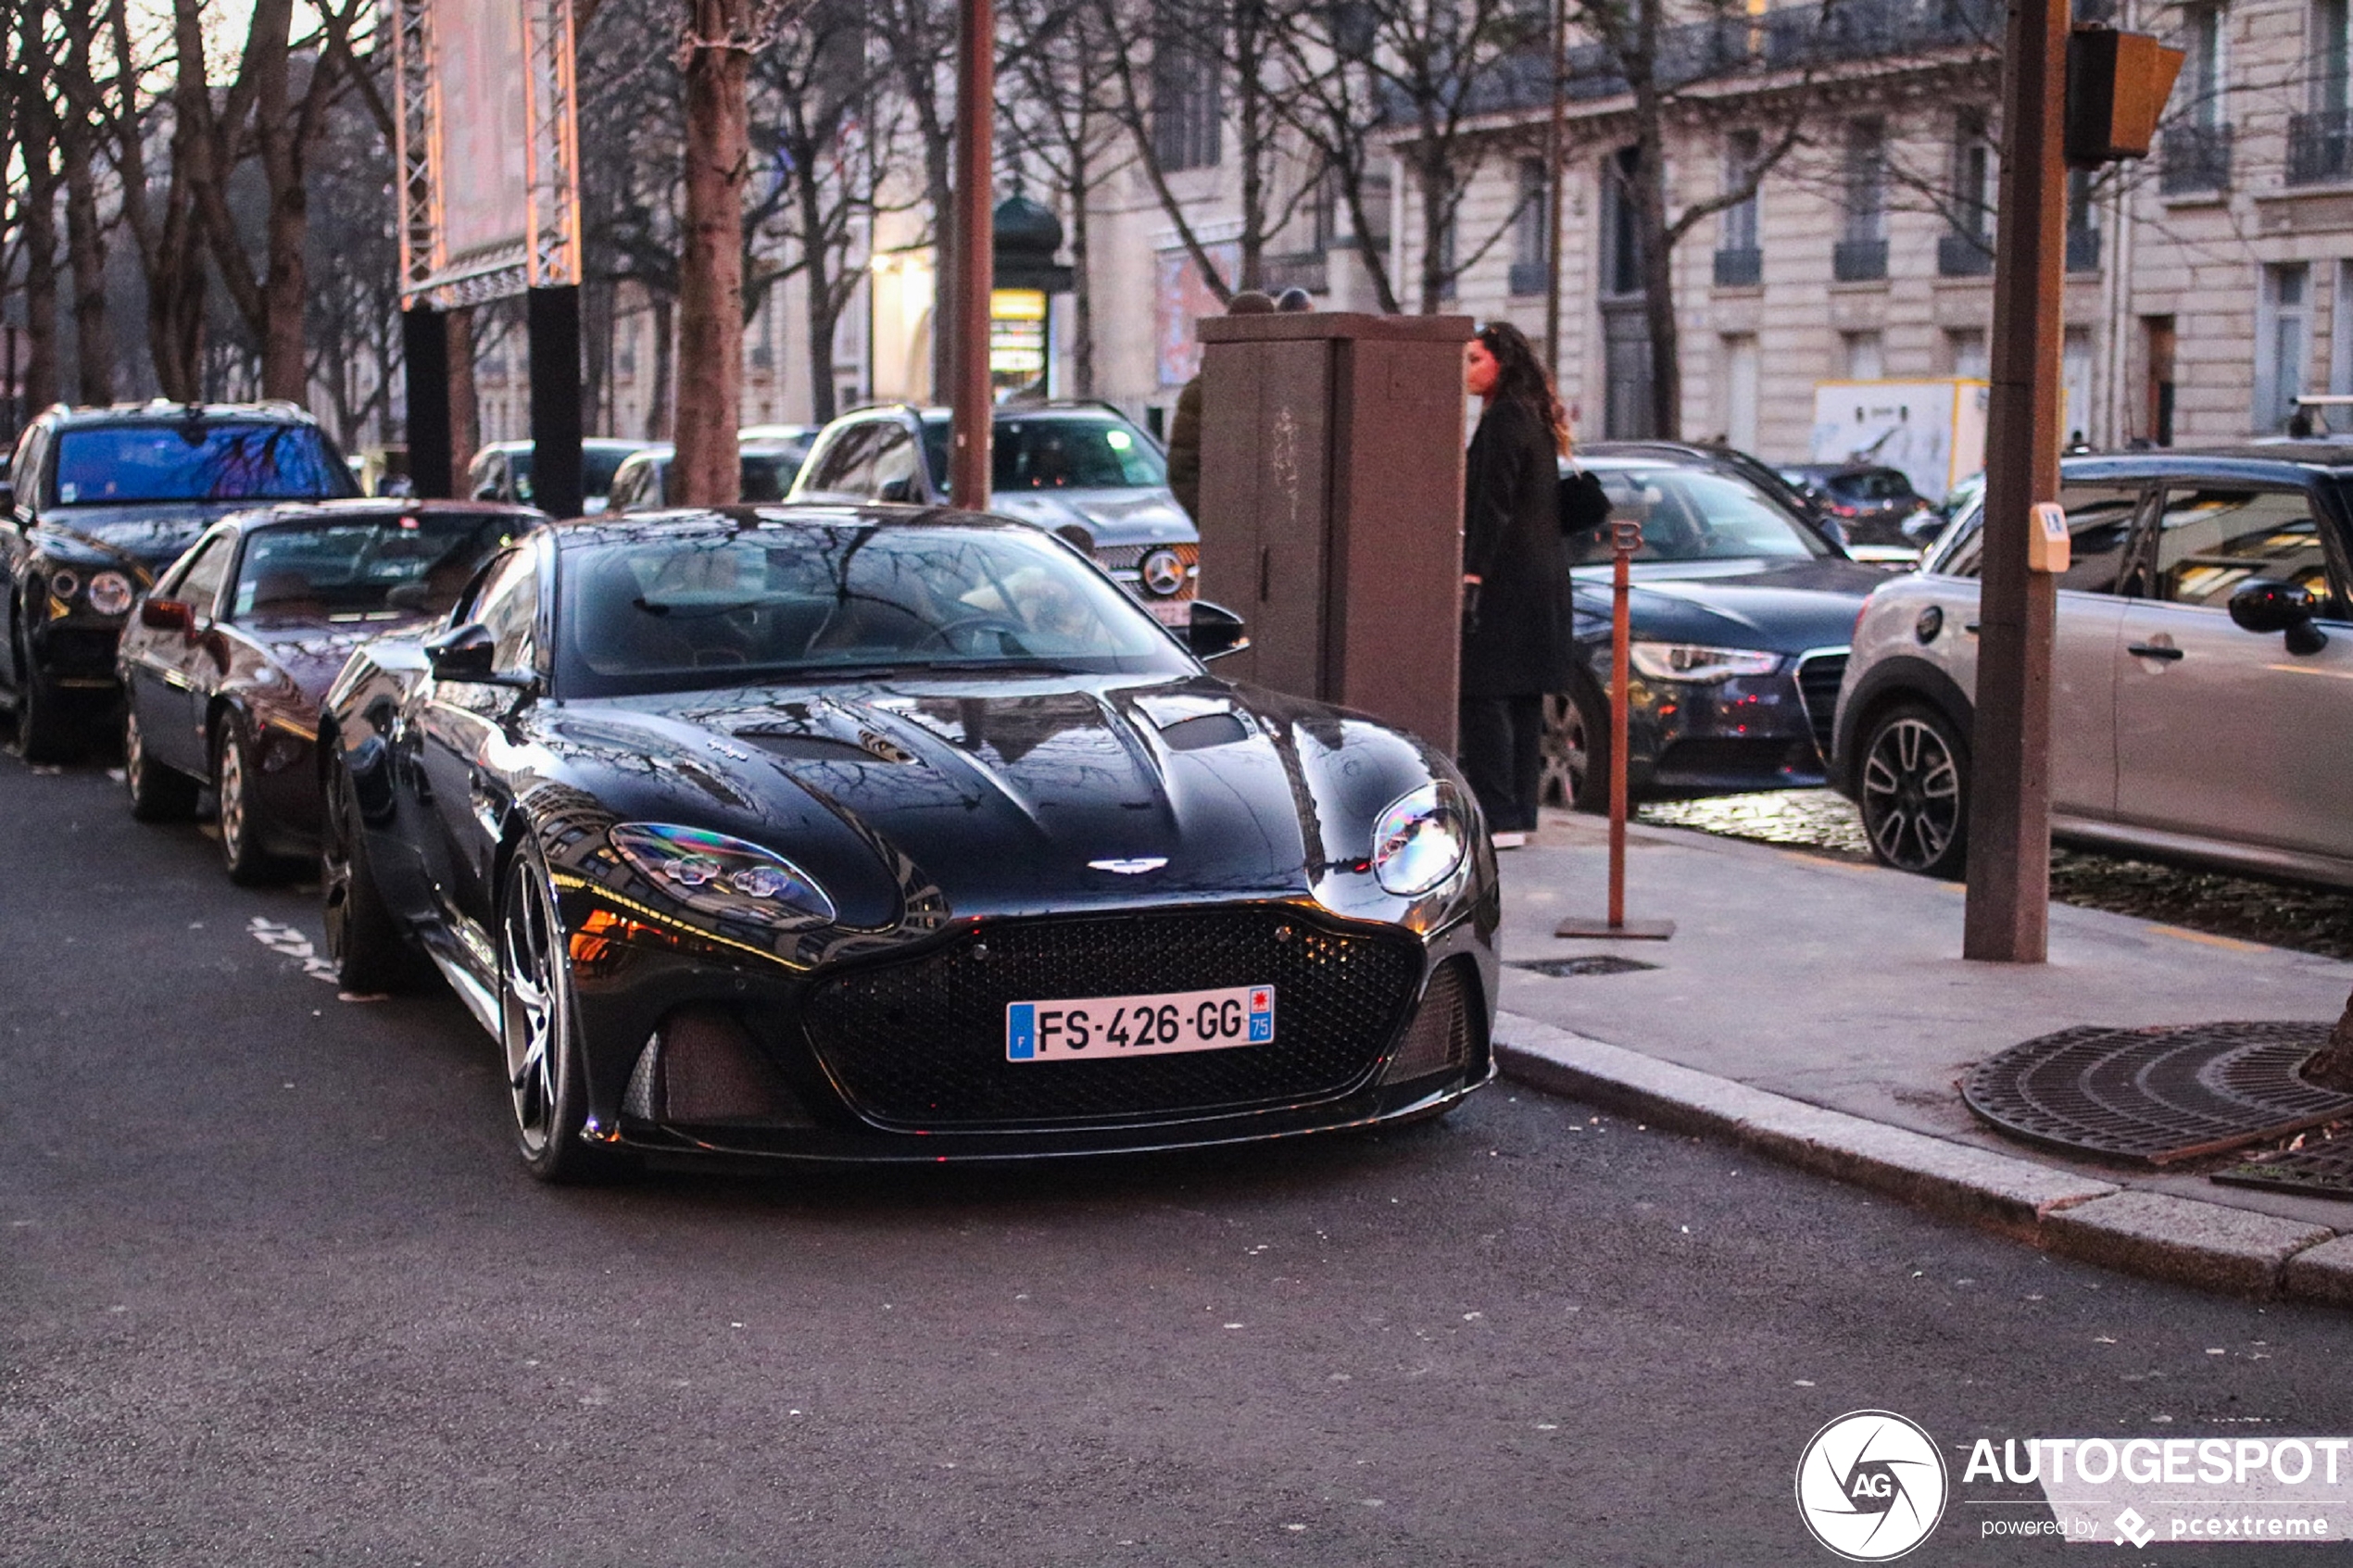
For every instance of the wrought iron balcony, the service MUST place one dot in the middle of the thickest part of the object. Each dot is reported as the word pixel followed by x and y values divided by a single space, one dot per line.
pixel 1964 255
pixel 1529 278
pixel 2320 147
pixel 2196 158
pixel 1740 267
pixel 2082 250
pixel 1858 261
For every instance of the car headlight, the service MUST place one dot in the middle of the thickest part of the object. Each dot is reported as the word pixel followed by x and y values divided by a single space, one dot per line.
pixel 719 875
pixel 1695 662
pixel 64 585
pixel 1420 840
pixel 111 592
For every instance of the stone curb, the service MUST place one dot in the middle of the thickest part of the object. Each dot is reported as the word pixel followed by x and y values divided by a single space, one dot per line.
pixel 2211 1246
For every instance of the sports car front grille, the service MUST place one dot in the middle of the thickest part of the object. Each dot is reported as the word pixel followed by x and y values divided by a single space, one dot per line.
pixel 920 1042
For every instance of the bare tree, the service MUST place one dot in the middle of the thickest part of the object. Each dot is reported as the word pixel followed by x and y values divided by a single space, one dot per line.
pixel 1180 72
pixel 1060 120
pixel 821 93
pixel 37 205
pixel 721 39
pixel 919 39
pixel 160 216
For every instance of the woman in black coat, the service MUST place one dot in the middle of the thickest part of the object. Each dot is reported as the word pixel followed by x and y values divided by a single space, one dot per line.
pixel 1517 624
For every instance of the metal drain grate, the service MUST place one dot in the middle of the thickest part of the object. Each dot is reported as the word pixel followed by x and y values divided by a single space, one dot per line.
pixel 2155 1095
pixel 1591 963
pixel 2322 1170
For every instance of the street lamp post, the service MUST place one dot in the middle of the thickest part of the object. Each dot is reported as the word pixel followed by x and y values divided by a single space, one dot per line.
pixel 968 399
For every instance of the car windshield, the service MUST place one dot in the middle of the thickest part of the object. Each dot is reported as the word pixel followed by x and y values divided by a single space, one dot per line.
pixel 114 465
pixel 1694 514
pixel 702 608
pixel 354 569
pixel 598 465
pixel 1057 452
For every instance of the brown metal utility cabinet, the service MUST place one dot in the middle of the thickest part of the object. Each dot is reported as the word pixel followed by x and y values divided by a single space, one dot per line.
pixel 1331 507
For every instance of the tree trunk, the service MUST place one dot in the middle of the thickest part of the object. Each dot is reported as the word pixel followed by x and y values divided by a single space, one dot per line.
pixel 658 397
pixel 1082 329
pixel 817 278
pixel 37 208
pixel 707 471
pixel 86 246
pixel 2333 1067
pixel 1430 173
pixel 1658 283
pixel 465 411
pixel 596 336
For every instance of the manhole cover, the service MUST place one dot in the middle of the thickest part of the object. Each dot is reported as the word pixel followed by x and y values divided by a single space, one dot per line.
pixel 2155 1095
pixel 2323 1169
pixel 1592 964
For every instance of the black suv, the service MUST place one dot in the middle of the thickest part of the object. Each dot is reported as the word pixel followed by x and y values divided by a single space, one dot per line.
pixel 100 501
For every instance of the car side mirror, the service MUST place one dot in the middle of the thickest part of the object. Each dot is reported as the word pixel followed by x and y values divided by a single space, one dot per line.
pixel 898 491
pixel 486 492
pixel 469 653
pixel 2264 605
pixel 1922 527
pixel 168 615
pixel 1215 632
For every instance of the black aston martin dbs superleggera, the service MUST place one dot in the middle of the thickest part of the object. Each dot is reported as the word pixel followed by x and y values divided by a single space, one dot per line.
pixel 884 834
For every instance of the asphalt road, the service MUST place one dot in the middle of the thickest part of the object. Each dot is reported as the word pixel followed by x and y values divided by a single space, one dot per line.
pixel 275 1292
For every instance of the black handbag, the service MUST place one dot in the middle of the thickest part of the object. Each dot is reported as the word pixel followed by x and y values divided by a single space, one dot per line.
pixel 1584 505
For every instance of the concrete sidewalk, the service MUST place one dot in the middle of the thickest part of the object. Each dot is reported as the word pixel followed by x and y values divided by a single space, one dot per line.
pixel 1819 1010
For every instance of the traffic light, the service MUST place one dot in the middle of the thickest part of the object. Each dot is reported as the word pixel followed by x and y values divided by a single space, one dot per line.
pixel 2117 84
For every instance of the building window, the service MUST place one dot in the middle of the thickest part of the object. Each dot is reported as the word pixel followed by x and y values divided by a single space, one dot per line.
pixel 1741 374
pixel 1741 260
pixel 2082 233
pixel 2202 76
pixel 2075 380
pixel 1621 236
pixel 2282 344
pixel 1966 250
pixel 1866 214
pixel 1864 359
pixel 2197 151
pixel 1188 107
pixel 1964 352
pixel 2328 53
pixel 1532 226
pixel 1861 251
pixel 1743 151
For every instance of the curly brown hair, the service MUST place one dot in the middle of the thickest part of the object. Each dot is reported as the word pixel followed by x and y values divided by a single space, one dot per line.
pixel 1520 377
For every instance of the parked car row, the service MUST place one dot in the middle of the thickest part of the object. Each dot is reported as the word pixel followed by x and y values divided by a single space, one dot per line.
pixel 2201 672
pixel 832 830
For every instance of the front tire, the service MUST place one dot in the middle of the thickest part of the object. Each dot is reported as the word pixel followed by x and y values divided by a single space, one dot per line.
pixel 234 772
pixel 371 952
pixel 1913 793
pixel 539 1026
pixel 157 794
pixel 45 732
pixel 1576 749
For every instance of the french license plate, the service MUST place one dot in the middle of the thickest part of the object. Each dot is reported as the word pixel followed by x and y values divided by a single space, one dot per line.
pixel 1093 1028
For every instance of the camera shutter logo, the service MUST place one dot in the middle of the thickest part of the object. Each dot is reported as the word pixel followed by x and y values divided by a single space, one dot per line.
pixel 1871 1485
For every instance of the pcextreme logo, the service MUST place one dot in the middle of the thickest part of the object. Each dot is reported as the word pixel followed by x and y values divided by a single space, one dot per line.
pixel 1871 1485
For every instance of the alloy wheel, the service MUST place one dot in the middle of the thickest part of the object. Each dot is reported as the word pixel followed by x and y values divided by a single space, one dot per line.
pixel 134 752
pixel 235 812
pixel 334 864
pixel 1911 794
pixel 1568 750
pixel 535 1017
